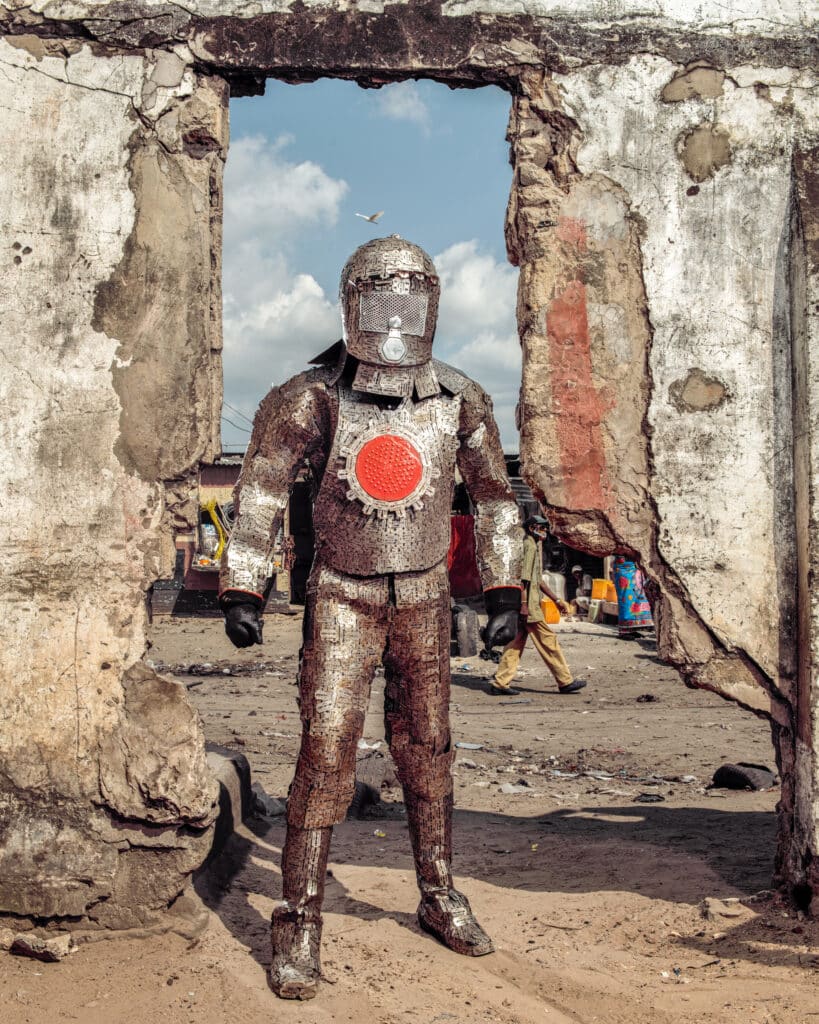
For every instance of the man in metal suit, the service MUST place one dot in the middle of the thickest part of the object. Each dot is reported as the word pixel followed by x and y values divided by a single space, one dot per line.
pixel 383 427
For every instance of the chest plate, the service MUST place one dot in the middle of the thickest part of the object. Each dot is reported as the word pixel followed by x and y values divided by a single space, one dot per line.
pixel 383 505
pixel 386 467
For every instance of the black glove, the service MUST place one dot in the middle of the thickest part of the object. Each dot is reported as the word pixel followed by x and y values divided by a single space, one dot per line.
pixel 243 621
pixel 503 608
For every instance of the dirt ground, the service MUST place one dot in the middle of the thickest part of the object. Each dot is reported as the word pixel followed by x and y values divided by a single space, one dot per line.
pixel 617 888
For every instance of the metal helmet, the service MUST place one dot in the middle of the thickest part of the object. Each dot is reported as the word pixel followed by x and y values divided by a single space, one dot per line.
pixel 389 301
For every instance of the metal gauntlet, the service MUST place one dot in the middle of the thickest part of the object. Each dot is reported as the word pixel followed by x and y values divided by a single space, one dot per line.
pixel 243 620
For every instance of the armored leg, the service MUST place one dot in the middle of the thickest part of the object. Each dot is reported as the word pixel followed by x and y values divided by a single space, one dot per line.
pixel 417 719
pixel 296 926
pixel 344 634
pixel 443 911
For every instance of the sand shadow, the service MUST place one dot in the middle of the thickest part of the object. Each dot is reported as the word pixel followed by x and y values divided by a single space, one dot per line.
pixel 581 850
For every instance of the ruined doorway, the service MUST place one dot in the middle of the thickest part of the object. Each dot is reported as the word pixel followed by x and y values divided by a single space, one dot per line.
pixel 581 228
pixel 304 162
pixel 577 257
pixel 435 159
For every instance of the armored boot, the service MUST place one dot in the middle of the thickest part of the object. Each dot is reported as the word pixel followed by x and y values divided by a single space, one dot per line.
pixel 296 923
pixel 443 911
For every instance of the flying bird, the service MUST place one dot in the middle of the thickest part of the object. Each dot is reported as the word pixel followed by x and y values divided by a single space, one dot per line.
pixel 373 217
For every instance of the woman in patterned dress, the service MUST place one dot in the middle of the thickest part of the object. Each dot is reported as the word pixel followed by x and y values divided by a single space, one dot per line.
pixel 633 609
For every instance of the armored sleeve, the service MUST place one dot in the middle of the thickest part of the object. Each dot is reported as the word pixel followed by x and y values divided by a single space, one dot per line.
pixel 498 534
pixel 291 424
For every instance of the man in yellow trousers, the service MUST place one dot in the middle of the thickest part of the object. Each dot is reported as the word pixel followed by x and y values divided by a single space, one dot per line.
pixel 532 621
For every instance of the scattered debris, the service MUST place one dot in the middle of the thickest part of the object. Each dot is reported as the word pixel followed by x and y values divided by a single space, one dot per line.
pixel 266 805
pixel 49 950
pixel 364 745
pixel 506 703
pixel 647 698
pixel 510 788
pixel 675 974
pixel 649 798
pixel 469 746
pixel 713 909
pixel 6 938
pixel 365 797
pixel 465 762
pixel 380 833
pixel 220 668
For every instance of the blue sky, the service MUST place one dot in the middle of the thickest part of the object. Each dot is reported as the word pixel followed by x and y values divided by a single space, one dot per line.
pixel 303 161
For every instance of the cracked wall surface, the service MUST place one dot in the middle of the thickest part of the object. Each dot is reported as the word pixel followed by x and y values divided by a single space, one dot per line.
pixel 105 797
pixel 710 253
pixel 663 219
pixel 684 455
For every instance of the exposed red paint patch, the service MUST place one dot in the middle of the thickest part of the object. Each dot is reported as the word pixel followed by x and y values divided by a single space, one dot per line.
pixel 578 406
pixel 570 229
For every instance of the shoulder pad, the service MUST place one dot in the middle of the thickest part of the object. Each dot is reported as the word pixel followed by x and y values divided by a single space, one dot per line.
pixel 455 381
pixel 330 355
pixel 315 377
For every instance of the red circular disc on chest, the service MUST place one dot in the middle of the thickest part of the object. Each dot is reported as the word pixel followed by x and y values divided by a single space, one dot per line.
pixel 388 468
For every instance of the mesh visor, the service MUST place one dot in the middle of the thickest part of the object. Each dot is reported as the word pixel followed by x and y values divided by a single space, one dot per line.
pixel 376 309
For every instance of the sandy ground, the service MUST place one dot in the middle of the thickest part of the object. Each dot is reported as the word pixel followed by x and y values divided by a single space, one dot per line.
pixel 602 906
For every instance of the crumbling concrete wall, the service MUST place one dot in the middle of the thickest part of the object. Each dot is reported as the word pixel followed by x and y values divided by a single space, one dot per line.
pixel 654 224
pixel 797 857
pixel 109 387
pixel 663 219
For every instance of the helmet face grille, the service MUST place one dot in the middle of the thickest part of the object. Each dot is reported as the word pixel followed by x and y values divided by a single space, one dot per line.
pixel 377 308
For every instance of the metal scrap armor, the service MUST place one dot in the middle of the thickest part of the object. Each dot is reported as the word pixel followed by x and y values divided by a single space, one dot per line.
pixel 384 428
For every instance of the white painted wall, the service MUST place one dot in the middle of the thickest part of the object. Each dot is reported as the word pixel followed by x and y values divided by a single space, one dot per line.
pixel 709 264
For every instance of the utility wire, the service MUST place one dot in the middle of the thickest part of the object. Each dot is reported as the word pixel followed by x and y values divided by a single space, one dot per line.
pixel 236 425
pixel 237 411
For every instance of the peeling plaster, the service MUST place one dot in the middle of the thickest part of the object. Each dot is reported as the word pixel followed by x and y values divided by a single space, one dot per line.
pixel 697 392
pixel 704 150
pixel 695 82
pixel 481 40
pixel 708 267
pixel 85 539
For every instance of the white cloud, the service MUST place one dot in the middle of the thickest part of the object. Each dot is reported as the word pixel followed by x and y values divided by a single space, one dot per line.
pixel 403 102
pixel 274 321
pixel 274 317
pixel 268 341
pixel 266 194
pixel 477 326
pixel 479 293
